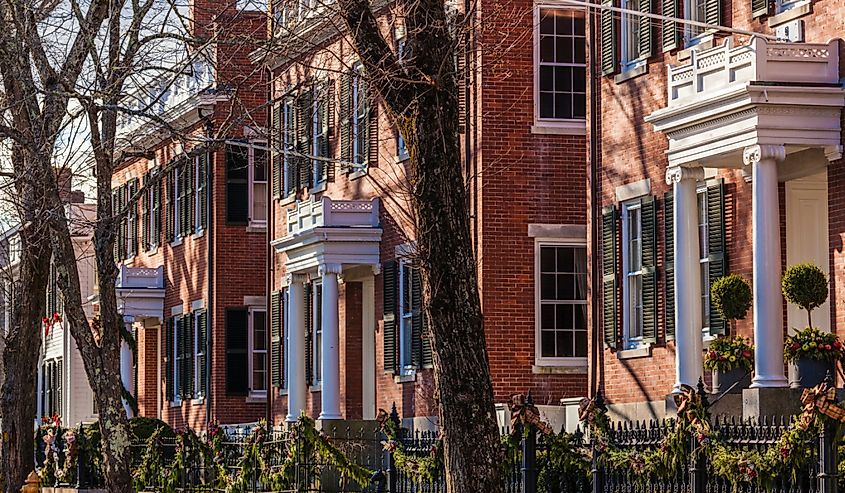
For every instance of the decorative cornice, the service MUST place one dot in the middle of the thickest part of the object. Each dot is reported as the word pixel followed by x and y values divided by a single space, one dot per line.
pixel 675 174
pixel 330 269
pixel 291 278
pixel 756 153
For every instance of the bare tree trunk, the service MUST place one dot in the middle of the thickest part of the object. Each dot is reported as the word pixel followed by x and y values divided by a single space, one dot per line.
pixel 422 95
pixel 23 342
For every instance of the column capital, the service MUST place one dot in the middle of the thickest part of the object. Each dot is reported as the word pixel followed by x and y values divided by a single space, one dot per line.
pixel 756 153
pixel 376 269
pixel 675 174
pixel 291 278
pixel 330 269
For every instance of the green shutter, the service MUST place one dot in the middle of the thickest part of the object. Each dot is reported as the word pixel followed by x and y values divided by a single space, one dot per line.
pixel 237 344
pixel 291 162
pixel 713 12
pixel 277 147
pixel 188 209
pixel 304 114
pixel 202 345
pixel 648 210
pixel 609 276
pixel 371 116
pixel 168 358
pixel 645 43
pixel 309 334
pixel 202 189
pixel 669 263
pixel 389 277
pixel 346 116
pixel 760 8
pixel 186 386
pixel 671 30
pixel 145 213
pixel 609 54
pixel 169 204
pixel 416 317
pixel 156 212
pixel 132 217
pixel 327 107
pixel 718 259
pixel 276 339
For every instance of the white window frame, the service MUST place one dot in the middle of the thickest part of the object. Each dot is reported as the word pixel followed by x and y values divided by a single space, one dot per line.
pixel 197 198
pixel 360 152
pixel 199 352
pixel 152 214
pixel 782 6
pixel 693 34
pixel 317 334
pixel 287 146
pixel 539 359
pixel 319 132
pixel 177 361
pixel 629 38
pixel 704 258
pixel 253 146
pixel 253 392
pixel 574 125
pixel 406 320
pixel 631 339
pixel 174 198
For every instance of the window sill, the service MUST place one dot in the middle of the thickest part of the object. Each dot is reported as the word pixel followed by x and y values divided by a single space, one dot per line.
pixel 174 404
pixel 285 201
pixel 407 378
pixel 315 388
pixel 359 173
pixel 176 242
pixel 198 402
pixel 701 42
pixel 152 251
pixel 637 352
pixel 401 158
pixel 320 187
pixel 632 72
pixel 559 128
pixel 256 399
pixel 795 11
pixel 198 234
pixel 257 228
pixel 553 369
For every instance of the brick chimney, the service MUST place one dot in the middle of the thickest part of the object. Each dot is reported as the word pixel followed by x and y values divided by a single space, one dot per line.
pixel 64 180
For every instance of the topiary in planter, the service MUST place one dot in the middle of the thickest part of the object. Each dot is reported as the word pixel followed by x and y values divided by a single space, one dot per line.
pixel 805 285
pixel 731 295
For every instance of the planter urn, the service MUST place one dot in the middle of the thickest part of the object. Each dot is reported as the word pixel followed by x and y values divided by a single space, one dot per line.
pixel 811 372
pixel 723 381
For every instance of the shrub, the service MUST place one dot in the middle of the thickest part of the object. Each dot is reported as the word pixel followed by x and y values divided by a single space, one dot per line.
pixel 731 295
pixel 805 285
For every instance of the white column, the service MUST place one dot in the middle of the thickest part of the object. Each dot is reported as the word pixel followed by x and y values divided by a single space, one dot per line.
pixel 768 301
pixel 126 365
pixel 296 352
pixel 688 335
pixel 330 391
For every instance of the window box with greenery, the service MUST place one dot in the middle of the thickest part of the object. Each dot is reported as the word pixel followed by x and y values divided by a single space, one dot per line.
pixel 813 352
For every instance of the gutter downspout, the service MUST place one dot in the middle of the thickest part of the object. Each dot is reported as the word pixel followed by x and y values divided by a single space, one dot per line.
pixel 597 366
pixel 270 273
pixel 209 310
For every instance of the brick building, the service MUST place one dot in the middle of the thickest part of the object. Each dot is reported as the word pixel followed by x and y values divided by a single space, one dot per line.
pixel 347 332
pixel 720 152
pixel 192 247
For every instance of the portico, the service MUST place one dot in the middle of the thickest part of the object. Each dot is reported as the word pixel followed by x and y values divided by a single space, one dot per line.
pixel 772 112
pixel 326 242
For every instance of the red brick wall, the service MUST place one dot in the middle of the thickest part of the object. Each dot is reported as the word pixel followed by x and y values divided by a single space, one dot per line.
pixel 631 150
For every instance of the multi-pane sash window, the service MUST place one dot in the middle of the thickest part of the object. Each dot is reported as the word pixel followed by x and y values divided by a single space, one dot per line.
pixel 360 117
pixel 695 10
pixel 288 148
pixel 406 314
pixel 632 271
pixel 704 259
pixel 258 361
pixel 562 65
pixel 246 182
pixel 562 301
pixel 258 175
pixel 319 136
pixel 200 334
pixel 630 33
pixel 317 334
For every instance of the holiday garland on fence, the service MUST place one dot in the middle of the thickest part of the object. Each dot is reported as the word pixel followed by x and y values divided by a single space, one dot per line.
pixel 420 468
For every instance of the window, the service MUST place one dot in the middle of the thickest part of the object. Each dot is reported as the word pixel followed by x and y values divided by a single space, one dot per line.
pixel 285 337
pixel 630 34
pixel 562 303
pixel 407 310
pixel 200 185
pixel 151 212
pixel 561 56
pixel 288 149
pixel 360 117
pixel 179 358
pixel 401 54
pixel 199 333
pixel 317 334
pixel 704 259
pixel 694 10
pixel 258 351
pixel 246 183
pixel 174 202
pixel 131 219
pixel 51 388
pixel 319 137
pixel 632 281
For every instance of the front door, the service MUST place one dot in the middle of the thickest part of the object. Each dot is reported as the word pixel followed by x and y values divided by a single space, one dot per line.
pixel 807 239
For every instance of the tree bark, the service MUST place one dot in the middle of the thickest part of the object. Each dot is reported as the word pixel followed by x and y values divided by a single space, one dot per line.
pixel 421 93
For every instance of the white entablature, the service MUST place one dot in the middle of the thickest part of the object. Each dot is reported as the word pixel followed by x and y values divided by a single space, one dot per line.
pixel 764 93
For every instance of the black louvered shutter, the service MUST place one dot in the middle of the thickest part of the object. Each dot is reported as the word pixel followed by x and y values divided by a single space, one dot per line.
pixel 346 116
pixel 132 217
pixel 146 206
pixel 237 362
pixel 237 184
pixel 190 177
pixel 276 339
pixel 291 161
pixel 187 369
pixel 170 204
pixel 58 387
pixel 669 264
pixel 277 147
pixel 328 109
pixel 202 189
pixel 645 43
pixel 202 346
pixel 389 277
pixel 713 12
pixel 309 334
pixel 609 54
pixel 670 32
pixel 158 185
pixel 304 117
pixel 168 358
pixel 718 258
pixel 461 75
pixel 760 8
pixel 609 280
pixel 372 126
pixel 416 318
pixel 124 221
pixel 648 210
